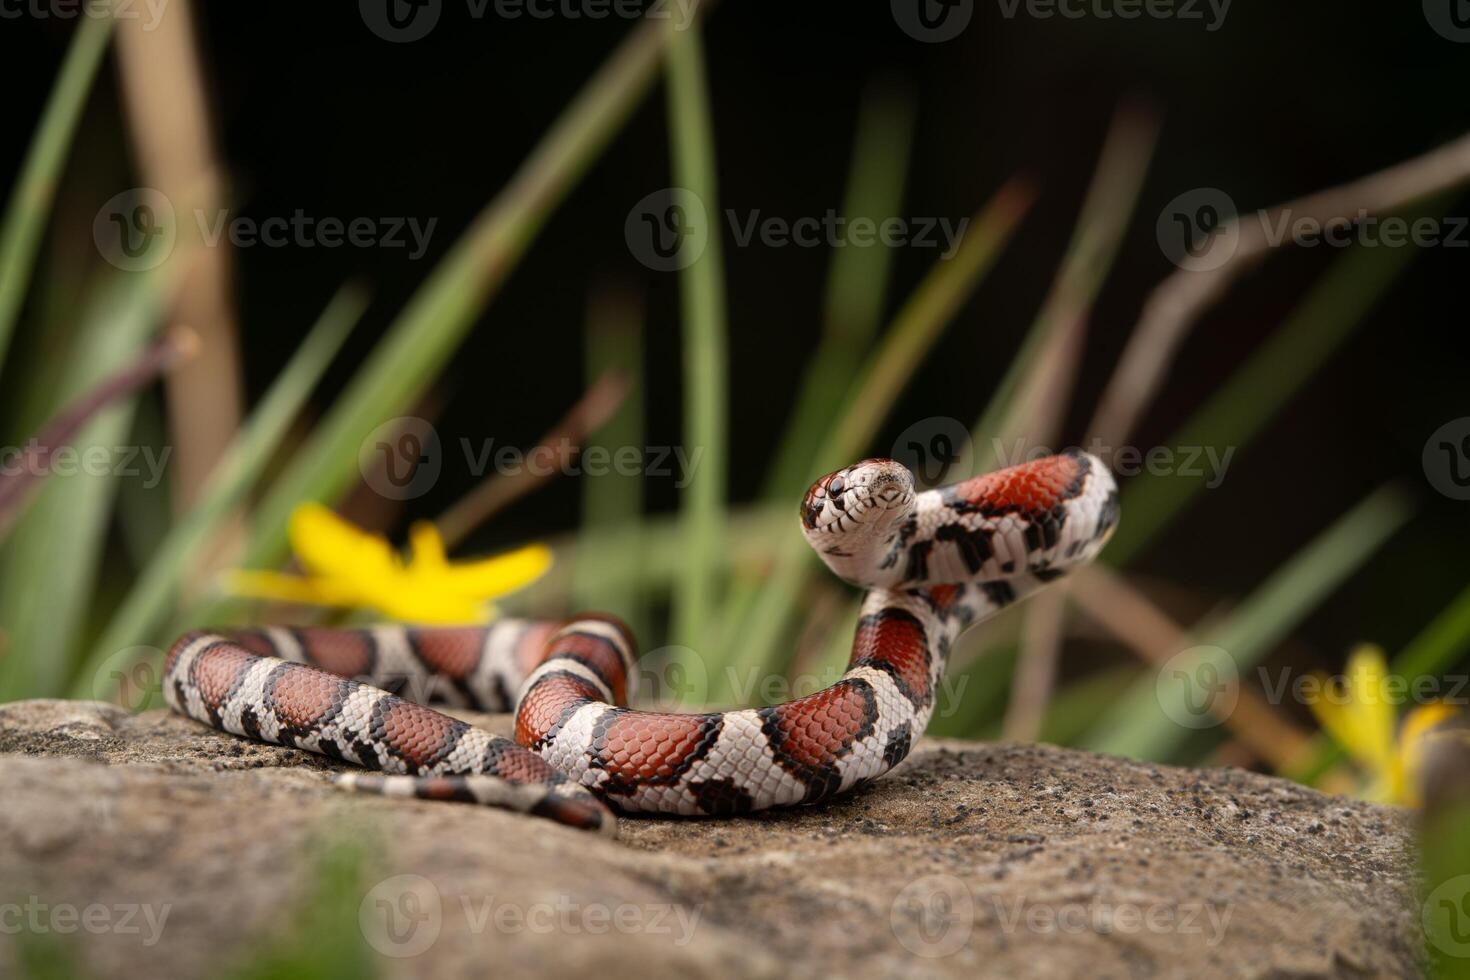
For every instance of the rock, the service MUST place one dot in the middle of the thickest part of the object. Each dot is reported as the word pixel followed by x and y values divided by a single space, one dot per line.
pixel 993 859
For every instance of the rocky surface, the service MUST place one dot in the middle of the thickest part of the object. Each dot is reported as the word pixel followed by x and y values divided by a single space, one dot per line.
pixel 994 860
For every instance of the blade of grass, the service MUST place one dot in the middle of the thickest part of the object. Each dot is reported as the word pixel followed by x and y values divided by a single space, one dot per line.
pixel 147 603
pixel 1444 864
pixel 50 561
pixel 702 313
pixel 913 332
pixel 856 286
pixel 40 174
pixel 973 696
pixel 613 499
pixel 1080 704
pixel 1138 725
pixel 1109 599
pixel 650 553
pixel 427 332
pixel 144 504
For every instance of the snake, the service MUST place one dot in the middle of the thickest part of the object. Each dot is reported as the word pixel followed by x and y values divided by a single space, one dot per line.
pixel 933 563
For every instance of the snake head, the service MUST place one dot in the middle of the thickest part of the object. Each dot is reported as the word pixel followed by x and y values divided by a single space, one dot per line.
pixel 864 497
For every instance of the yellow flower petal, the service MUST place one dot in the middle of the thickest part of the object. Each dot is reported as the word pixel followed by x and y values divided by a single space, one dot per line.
pixel 1373 712
pixel 491 577
pixel 432 607
pixel 427 547
pixel 1330 706
pixel 350 567
pixel 288 588
pixel 331 547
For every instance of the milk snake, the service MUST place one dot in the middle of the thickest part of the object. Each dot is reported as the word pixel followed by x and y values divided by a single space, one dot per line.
pixel 934 563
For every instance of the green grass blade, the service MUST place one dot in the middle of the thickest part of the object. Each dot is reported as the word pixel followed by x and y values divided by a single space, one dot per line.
pixel 853 310
pixel 702 296
pixel 1138 725
pixel 614 499
pixel 1440 644
pixel 973 698
pixel 1444 864
pixel 856 287
pixel 147 604
pixel 1082 703
pixel 425 335
pixel 913 332
pixel 40 174
pixel 50 561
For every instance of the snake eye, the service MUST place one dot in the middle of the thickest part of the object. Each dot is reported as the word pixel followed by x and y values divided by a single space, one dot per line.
pixel 835 485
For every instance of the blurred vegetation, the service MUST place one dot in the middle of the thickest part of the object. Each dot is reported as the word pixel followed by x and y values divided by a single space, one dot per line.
pixel 735 584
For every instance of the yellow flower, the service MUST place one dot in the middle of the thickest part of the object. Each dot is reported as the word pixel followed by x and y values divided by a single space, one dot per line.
pixel 1358 713
pixel 348 567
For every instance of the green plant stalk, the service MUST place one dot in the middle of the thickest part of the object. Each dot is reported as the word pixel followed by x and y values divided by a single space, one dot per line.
pixel 147 603
pixel 650 552
pixel 853 309
pixel 425 335
pixel 1435 649
pixel 913 332
pixel 35 191
pixel 1080 704
pixel 144 514
pixel 856 287
pixel 51 559
pixel 974 696
pixel 706 359
pixel 613 500
pixel 1139 727
pixel 1444 856
pixel 1338 303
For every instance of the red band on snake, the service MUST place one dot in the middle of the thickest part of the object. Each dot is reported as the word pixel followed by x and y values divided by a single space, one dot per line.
pixel 934 563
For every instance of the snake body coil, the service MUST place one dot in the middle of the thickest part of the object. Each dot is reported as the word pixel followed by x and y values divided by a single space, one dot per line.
pixel 935 563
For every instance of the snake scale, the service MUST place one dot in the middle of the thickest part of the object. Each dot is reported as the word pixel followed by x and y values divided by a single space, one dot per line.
pixel 934 563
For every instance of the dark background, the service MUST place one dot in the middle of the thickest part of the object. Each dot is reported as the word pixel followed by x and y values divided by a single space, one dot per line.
pixel 315 112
